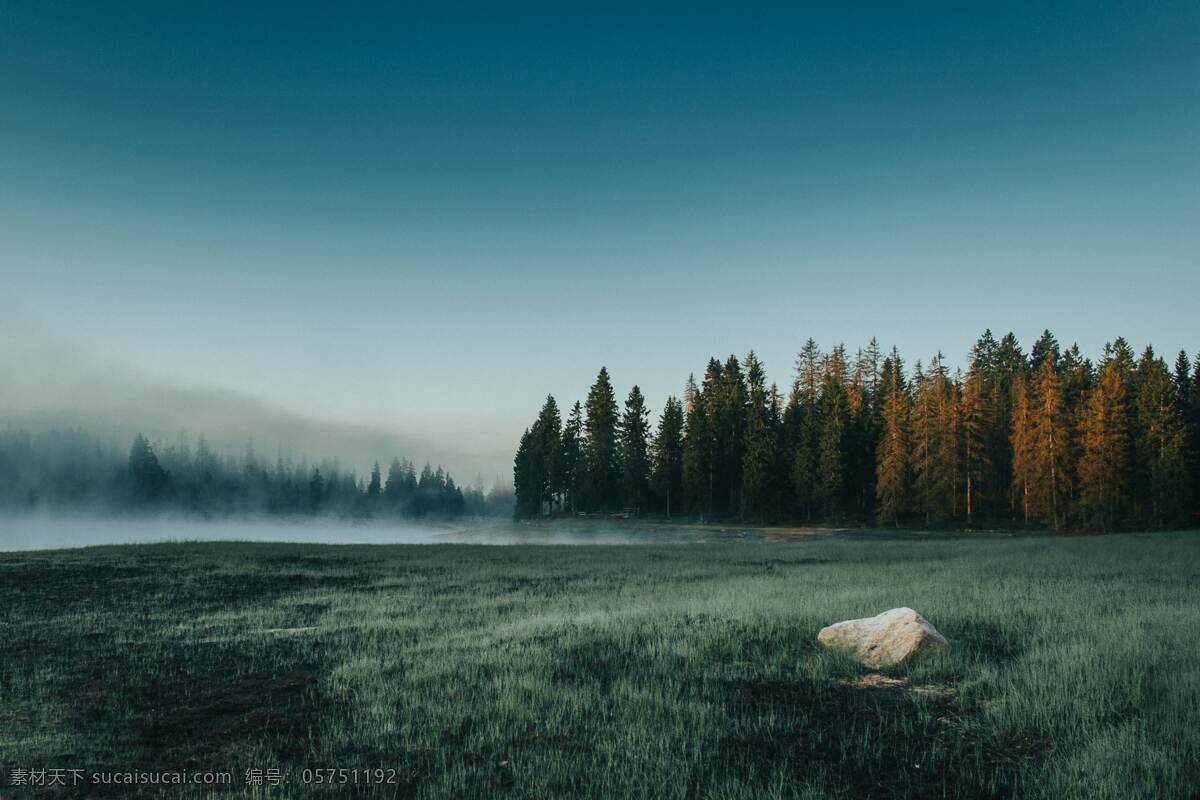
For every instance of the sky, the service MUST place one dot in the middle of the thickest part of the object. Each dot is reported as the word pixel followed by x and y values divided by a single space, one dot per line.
pixel 424 218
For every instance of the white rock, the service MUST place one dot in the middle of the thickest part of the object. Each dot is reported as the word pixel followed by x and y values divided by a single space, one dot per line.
pixel 891 638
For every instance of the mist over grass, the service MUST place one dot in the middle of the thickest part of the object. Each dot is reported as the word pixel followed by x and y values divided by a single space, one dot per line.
pixel 55 531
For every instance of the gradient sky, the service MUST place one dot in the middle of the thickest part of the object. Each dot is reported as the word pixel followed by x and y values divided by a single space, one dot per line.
pixel 429 217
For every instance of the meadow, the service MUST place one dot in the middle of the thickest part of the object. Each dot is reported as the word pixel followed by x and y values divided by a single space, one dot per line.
pixel 656 671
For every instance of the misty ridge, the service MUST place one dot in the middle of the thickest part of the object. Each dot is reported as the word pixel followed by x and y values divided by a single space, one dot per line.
pixel 47 383
pixel 72 470
pixel 78 434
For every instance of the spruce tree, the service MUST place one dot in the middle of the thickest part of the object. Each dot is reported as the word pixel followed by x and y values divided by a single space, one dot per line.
pixel 393 490
pixel 1104 464
pixel 803 427
pixel 149 478
pixel 1050 432
pixel 1008 366
pixel 892 452
pixel 571 473
pixel 549 446
pixel 374 489
pixel 712 399
pixel 934 462
pixel 1021 446
pixel 729 428
pixel 526 484
pixel 603 488
pixel 696 451
pixel 667 454
pixel 758 457
pixel 633 451
pixel 316 491
pixel 1159 446
pixel 833 409
pixel 976 417
pixel 1046 345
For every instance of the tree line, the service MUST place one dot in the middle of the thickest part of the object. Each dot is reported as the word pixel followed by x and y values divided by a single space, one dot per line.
pixel 70 469
pixel 1047 438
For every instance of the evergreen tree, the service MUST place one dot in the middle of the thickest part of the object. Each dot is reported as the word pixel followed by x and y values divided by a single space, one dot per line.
pixel 697 457
pixel 1008 366
pixel 1104 465
pixel 711 399
pixel 1159 446
pixel 1078 378
pixel 862 395
pixel 149 478
pixel 728 417
pixel 758 456
pixel 571 458
pixel 548 430
pixel 1046 345
pixel 976 416
pixel 633 451
pixel 316 491
pixel 934 461
pixel 600 445
pixel 892 452
pixel 834 416
pixel 667 453
pixel 1050 432
pixel 374 489
pixel 393 489
pixel 1021 445
pixel 526 479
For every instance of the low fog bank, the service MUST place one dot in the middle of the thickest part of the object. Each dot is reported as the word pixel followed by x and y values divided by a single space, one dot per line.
pixel 47 531
pixel 52 384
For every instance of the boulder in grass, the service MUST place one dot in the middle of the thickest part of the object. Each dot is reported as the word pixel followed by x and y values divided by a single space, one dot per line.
pixel 891 638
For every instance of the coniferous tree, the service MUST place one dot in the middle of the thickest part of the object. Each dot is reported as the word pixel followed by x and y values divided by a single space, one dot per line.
pixel 633 451
pixel 934 463
pixel 696 451
pixel 374 489
pixel 711 397
pixel 1022 446
pixel 1158 442
pixel 571 475
pixel 863 433
pixel 149 478
pixel 804 428
pixel 977 422
pixel 1077 380
pixel 758 456
pixel 526 481
pixel 393 490
pixel 892 452
pixel 1046 345
pixel 316 491
pixel 950 446
pixel 1050 432
pixel 1193 417
pixel 1008 365
pixel 1104 465
pixel 728 420
pixel 834 416
pixel 600 445
pixel 548 428
pixel 667 454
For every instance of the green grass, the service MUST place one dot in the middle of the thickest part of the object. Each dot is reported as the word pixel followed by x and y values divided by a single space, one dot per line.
pixel 657 671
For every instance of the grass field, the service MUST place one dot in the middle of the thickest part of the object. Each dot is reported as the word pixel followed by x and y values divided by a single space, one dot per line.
pixel 656 671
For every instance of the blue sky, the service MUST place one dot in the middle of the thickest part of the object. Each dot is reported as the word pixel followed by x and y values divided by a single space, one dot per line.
pixel 429 217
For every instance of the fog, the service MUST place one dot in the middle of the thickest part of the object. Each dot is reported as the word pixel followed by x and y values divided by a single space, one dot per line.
pixel 54 532
pixel 47 382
